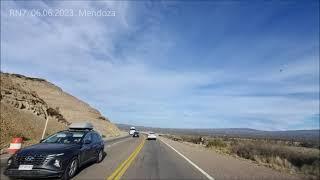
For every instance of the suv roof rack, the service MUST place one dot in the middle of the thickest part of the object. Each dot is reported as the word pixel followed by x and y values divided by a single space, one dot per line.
pixel 81 126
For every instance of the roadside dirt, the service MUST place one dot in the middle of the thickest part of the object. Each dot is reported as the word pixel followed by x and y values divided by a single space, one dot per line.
pixel 221 166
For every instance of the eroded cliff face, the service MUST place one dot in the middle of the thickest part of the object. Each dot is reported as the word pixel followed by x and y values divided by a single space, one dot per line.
pixel 26 102
pixel 15 95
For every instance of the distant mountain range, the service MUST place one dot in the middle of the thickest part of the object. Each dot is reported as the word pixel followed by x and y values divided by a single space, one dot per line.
pixel 296 135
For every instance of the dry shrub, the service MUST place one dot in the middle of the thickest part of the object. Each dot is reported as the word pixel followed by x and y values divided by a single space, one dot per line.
pixel 279 156
pixel 217 143
pixel 192 139
pixel 312 169
pixel 175 138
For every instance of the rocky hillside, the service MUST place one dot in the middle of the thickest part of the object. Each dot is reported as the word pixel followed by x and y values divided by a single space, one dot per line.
pixel 25 102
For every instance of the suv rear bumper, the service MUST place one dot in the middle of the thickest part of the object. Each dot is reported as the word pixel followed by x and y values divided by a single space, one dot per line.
pixel 35 173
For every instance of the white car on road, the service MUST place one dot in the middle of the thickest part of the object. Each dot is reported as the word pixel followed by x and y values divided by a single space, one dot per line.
pixel 151 136
pixel 132 130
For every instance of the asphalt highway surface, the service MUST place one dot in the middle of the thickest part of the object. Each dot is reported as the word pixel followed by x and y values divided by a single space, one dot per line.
pixel 138 158
pixel 157 161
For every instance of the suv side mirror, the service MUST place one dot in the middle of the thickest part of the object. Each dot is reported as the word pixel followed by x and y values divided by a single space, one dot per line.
pixel 87 141
pixel 41 140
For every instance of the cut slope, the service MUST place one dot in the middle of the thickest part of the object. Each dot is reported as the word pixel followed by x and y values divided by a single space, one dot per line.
pixel 19 123
pixel 41 98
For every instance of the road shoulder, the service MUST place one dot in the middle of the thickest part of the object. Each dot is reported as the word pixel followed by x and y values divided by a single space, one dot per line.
pixel 226 167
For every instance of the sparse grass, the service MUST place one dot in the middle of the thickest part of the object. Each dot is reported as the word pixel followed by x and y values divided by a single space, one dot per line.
pixel 175 138
pixel 280 155
pixel 218 143
pixel 309 144
pixel 192 139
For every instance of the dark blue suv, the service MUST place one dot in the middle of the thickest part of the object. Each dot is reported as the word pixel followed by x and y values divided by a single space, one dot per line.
pixel 59 155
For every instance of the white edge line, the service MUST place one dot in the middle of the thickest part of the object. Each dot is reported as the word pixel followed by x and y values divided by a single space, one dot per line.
pixel 192 163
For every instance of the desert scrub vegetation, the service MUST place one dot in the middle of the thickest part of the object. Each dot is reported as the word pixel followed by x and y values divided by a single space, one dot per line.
pixel 192 139
pixel 216 143
pixel 279 155
pixel 295 159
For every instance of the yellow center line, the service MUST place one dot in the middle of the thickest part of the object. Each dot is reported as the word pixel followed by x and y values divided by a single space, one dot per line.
pixel 117 174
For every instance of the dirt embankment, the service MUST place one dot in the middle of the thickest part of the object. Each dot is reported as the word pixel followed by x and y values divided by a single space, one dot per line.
pixel 25 102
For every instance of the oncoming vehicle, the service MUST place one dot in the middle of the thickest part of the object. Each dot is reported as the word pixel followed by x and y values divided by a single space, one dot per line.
pixel 152 136
pixel 135 134
pixel 132 130
pixel 59 155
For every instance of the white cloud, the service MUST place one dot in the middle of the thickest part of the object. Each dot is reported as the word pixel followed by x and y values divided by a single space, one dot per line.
pixel 81 55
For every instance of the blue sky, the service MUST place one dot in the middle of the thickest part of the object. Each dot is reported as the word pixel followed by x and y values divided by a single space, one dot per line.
pixel 220 64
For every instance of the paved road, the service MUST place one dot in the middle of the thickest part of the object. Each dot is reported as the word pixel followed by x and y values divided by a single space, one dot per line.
pixel 157 161
pixel 154 161
pixel 117 152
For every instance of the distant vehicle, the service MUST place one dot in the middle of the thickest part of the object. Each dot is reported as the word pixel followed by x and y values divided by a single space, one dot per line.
pixel 132 130
pixel 152 136
pixel 135 134
pixel 60 155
